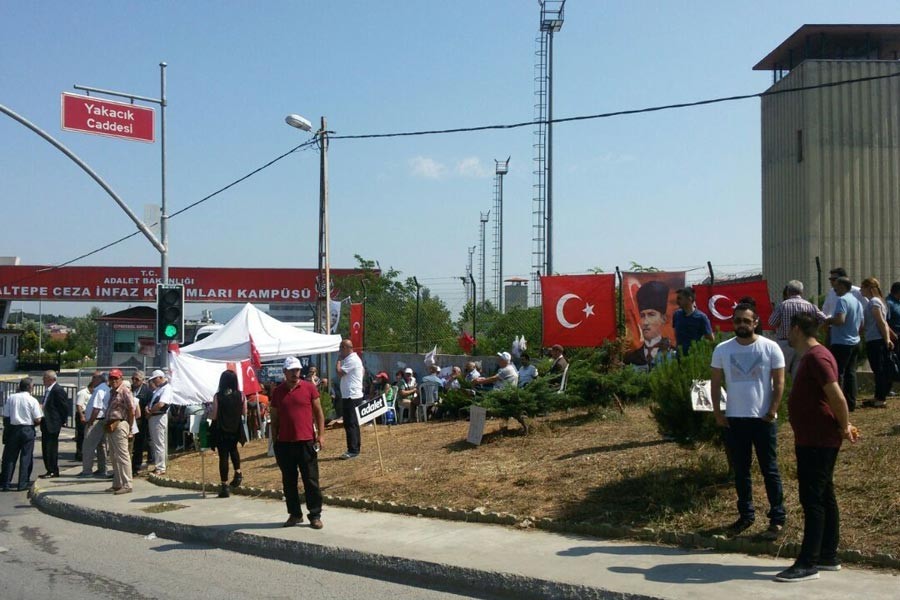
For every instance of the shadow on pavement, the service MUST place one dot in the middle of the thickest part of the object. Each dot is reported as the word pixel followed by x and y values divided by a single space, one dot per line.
pixel 701 573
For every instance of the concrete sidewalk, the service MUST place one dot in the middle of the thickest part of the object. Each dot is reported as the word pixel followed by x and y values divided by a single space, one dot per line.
pixel 467 558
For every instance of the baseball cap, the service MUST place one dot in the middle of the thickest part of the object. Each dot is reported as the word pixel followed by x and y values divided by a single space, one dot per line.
pixel 407 370
pixel 505 356
pixel 291 363
pixel 382 375
pixel 115 373
pixel 157 373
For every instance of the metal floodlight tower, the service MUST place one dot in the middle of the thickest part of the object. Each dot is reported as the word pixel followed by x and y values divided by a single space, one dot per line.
pixel 501 169
pixel 484 219
pixel 542 199
pixel 469 267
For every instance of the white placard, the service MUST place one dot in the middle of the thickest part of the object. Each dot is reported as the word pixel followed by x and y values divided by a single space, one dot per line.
pixel 477 417
pixel 701 396
pixel 369 410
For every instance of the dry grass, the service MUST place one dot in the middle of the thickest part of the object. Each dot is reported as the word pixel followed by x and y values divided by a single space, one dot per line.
pixel 607 468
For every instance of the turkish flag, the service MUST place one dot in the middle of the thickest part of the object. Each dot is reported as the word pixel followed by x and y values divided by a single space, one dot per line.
pixel 579 310
pixel 718 301
pixel 246 374
pixel 254 355
pixel 357 321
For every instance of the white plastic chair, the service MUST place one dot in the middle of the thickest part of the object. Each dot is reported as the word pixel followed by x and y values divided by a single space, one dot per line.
pixel 563 381
pixel 428 396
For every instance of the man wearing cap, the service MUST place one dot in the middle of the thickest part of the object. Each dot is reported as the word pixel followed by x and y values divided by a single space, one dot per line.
pixel 408 393
pixel 94 438
pixel 141 390
pixel 506 375
pixel 119 419
pixel 349 368
pixel 158 418
pixel 652 301
pixel 56 413
pixel 294 410
pixel 21 413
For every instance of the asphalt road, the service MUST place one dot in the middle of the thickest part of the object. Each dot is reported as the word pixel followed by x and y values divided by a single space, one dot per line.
pixel 45 558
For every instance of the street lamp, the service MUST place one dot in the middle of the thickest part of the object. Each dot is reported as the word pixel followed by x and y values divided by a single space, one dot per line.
pixel 324 266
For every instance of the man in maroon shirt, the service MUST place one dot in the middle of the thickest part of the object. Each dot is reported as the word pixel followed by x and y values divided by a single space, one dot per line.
pixel 821 421
pixel 293 406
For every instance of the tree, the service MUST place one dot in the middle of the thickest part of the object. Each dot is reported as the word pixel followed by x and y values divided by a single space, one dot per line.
pixel 83 339
pixel 391 310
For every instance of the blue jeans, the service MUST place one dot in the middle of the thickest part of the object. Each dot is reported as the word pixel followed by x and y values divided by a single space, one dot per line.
pixel 742 436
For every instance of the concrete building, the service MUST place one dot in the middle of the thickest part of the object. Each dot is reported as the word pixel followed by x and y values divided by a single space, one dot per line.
pixel 515 294
pixel 831 156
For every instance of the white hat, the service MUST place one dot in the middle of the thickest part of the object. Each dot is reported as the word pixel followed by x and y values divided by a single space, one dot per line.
pixel 291 363
pixel 505 356
pixel 408 370
pixel 157 373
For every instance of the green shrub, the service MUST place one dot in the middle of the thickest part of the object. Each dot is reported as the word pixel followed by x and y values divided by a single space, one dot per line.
pixel 670 385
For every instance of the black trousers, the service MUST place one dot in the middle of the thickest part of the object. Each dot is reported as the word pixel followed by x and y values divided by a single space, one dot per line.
pixel 79 438
pixel 19 447
pixel 141 445
pixel 291 458
pixel 351 425
pixel 227 446
pixel 878 354
pixel 821 519
pixel 845 356
pixel 50 450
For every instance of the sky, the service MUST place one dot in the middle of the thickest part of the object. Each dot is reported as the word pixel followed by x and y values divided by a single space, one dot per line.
pixel 670 189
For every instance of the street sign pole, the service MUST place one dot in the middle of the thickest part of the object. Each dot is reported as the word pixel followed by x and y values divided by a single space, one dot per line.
pixel 164 216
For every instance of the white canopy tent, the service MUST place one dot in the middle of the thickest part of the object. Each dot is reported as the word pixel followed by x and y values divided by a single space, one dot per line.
pixel 273 339
pixel 195 369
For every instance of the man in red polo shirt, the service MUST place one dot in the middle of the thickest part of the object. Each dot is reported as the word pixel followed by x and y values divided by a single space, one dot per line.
pixel 293 406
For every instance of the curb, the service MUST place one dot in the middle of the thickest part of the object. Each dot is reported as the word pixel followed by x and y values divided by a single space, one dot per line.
pixel 419 573
pixel 719 543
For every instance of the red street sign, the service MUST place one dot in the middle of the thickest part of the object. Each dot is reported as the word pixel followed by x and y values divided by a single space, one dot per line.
pixel 88 114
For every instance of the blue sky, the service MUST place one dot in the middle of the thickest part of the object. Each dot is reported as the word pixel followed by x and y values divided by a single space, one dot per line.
pixel 671 189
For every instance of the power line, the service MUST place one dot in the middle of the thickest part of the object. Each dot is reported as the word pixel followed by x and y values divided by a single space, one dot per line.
pixel 605 115
pixel 305 145
pixel 617 113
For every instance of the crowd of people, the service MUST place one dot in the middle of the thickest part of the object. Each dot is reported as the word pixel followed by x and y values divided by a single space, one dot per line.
pixel 120 422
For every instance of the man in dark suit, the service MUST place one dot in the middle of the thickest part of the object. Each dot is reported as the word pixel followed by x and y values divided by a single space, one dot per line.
pixel 652 300
pixel 56 413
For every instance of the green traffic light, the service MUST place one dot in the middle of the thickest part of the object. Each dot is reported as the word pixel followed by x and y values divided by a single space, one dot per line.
pixel 170 331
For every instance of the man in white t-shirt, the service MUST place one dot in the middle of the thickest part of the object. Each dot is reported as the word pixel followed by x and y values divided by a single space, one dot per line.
pixel 753 371
pixel 21 413
pixel 506 375
pixel 350 370
pixel 94 438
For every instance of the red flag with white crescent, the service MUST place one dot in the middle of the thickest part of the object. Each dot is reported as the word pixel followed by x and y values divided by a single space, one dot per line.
pixel 357 322
pixel 579 310
pixel 254 355
pixel 246 374
pixel 718 301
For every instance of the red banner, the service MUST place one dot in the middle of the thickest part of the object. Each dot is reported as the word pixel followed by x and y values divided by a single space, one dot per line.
pixel 718 301
pixel 357 323
pixel 579 310
pixel 138 284
pixel 99 116
pixel 648 299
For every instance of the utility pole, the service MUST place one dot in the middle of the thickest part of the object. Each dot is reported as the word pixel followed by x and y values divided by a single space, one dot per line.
pixel 484 219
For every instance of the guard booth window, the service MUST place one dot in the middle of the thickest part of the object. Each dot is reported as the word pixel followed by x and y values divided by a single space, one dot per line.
pixel 127 341
pixel 3 345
